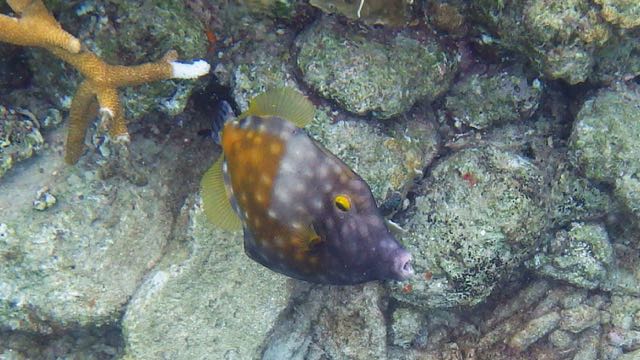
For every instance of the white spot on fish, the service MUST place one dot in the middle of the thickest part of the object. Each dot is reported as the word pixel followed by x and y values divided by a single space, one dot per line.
pixel 283 196
pixel 285 134
pixel 316 203
pixel 298 187
pixel 323 170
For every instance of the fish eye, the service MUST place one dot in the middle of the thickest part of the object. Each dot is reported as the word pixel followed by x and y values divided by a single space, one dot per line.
pixel 342 202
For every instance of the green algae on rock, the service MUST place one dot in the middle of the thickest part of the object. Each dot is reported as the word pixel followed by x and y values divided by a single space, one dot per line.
pixel 382 12
pixel 275 8
pixel 406 324
pixel 493 98
pixel 20 137
pixel 581 256
pixel 624 13
pixel 574 198
pixel 558 37
pixel 479 217
pixel 365 75
pixel 604 142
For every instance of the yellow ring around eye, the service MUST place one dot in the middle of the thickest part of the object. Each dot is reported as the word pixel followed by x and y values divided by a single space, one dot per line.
pixel 343 202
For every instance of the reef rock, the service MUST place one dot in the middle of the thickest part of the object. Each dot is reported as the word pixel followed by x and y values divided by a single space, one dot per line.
pixel 230 301
pixel 479 216
pixel 604 142
pixel 364 74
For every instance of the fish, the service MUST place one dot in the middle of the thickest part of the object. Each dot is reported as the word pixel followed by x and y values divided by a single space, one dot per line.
pixel 304 213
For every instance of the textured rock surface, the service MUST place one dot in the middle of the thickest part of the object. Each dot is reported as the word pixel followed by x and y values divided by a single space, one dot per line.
pixel 493 98
pixel 581 255
pixel 365 75
pixel 20 137
pixel 569 40
pixel 475 222
pixel 332 322
pixel 604 142
pixel 624 13
pixel 384 12
pixel 77 263
pixel 231 301
pixel 574 198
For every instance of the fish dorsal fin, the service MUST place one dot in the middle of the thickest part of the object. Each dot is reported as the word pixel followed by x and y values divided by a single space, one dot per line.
pixel 286 103
pixel 215 201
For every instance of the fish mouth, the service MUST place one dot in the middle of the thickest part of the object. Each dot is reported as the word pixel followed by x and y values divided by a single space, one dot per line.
pixel 402 269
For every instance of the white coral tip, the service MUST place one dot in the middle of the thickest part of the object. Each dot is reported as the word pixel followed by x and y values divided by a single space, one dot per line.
pixel 189 71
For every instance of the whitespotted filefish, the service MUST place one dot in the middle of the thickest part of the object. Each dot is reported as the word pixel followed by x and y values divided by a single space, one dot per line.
pixel 303 211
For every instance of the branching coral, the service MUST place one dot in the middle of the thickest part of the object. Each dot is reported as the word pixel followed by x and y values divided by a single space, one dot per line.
pixel 37 27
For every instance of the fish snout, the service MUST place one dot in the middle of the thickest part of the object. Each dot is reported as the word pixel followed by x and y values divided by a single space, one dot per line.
pixel 401 265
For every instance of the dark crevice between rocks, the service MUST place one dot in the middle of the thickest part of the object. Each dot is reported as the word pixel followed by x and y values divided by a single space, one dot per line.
pixel 99 343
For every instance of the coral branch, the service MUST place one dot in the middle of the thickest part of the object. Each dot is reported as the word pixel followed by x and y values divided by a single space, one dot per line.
pixel 35 27
pixel 103 80
pixel 99 90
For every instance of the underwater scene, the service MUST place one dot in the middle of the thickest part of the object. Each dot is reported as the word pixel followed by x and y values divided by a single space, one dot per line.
pixel 320 179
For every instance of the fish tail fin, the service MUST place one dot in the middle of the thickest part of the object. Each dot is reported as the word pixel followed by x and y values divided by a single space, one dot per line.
pixel 286 103
pixel 216 204
pixel 224 112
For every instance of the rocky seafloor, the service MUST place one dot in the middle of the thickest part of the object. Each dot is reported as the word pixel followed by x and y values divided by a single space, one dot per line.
pixel 501 136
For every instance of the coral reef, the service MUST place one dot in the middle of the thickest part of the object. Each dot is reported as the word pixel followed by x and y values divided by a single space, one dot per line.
pixel 336 322
pixel 500 138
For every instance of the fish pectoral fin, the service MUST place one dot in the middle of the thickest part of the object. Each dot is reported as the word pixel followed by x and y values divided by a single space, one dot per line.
pixel 215 200
pixel 313 240
pixel 286 103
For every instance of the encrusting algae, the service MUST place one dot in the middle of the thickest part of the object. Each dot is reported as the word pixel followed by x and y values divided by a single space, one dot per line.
pixel 98 93
pixel 304 212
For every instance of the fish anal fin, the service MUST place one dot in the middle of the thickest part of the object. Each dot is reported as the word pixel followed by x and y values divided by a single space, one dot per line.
pixel 286 103
pixel 215 202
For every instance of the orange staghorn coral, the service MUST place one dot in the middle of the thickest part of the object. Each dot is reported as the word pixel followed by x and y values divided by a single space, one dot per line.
pixel 99 91
pixel 35 27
